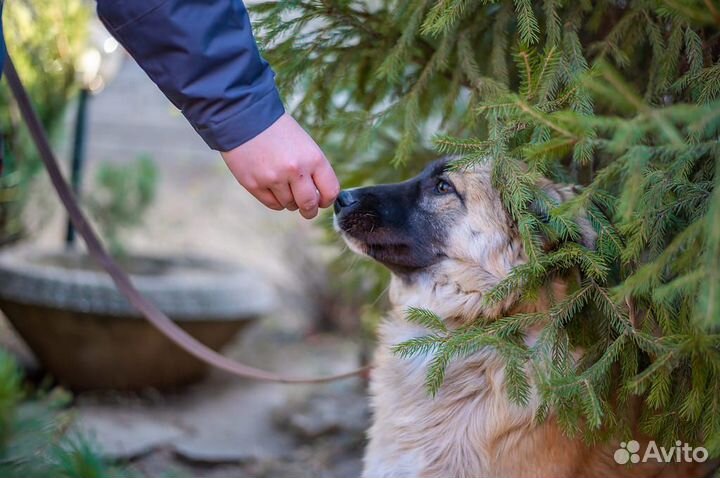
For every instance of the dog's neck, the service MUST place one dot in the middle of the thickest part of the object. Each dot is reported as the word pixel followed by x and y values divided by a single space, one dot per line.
pixel 444 296
pixel 456 295
pixel 460 299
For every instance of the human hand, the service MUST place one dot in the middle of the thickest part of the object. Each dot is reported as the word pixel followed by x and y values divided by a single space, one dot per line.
pixel 284 169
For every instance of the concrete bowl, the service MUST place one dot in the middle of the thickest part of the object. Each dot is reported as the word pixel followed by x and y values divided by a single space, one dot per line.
pixel 88 336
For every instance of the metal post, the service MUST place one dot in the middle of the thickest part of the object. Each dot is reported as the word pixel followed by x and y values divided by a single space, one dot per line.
pixel 78 156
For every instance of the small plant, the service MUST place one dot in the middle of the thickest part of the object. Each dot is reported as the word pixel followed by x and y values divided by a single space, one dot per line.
pixel 45 39
pixel 120 198
pixel 34 438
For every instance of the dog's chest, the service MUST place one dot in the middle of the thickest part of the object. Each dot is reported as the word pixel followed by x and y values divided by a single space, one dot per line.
pixel 459 432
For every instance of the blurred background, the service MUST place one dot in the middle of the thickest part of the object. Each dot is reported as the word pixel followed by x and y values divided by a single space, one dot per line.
pixel 262 285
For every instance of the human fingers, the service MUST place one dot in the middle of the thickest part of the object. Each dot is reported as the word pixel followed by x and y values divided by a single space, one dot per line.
pixel 305 196
pixel 283 194
pixel 326 183
pixel 267 197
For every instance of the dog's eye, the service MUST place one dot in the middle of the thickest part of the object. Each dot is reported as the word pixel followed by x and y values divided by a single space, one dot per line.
pixel 443 187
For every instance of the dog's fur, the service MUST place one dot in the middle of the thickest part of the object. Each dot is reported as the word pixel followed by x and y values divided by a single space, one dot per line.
pixel 448 239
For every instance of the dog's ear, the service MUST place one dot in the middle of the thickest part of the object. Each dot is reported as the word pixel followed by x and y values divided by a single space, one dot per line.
pixel 557 194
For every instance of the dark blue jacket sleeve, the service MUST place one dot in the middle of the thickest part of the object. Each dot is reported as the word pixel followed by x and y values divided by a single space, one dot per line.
pixel 203 56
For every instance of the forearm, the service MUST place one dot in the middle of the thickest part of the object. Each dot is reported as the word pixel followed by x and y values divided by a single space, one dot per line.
pixel 203 56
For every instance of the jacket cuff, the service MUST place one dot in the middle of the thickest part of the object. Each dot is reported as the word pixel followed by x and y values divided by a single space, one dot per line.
pixel 244 125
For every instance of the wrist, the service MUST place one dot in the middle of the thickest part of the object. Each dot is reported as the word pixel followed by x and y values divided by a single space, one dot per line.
pixel 245 125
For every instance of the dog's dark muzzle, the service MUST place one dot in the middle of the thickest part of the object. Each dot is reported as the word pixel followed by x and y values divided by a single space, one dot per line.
pixel 387 221
pixel 357 212
pixel 344 200
pixel 374 210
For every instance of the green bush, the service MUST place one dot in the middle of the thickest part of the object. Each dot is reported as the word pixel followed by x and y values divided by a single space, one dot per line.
pixel 45 39
pixel 34 437
pixel 120 198
pixel 620 97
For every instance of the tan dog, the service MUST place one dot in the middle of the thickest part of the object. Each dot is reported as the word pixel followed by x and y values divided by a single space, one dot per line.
pixel 447 239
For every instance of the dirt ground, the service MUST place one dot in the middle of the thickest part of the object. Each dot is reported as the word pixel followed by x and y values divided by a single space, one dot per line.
pixel 222 426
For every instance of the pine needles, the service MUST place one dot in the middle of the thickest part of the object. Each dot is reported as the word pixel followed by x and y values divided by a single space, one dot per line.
pixel 622 98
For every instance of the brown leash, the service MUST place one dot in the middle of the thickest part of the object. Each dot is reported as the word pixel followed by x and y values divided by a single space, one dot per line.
pixel 96 250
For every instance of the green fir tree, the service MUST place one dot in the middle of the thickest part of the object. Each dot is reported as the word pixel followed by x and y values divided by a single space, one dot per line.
pixel 619 96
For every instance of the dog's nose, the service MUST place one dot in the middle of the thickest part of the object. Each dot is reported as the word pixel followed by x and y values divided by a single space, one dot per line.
pixel 344 199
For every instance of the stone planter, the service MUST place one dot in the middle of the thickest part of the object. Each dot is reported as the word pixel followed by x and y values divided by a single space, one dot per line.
pixel 89 337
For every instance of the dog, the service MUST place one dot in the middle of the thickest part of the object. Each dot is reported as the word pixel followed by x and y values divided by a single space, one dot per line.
pixel 447 240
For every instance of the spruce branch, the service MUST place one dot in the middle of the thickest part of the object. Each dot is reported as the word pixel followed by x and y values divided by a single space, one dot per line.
pixel 713 10
pixel 621 99
pixel 527 23
pixel 425 318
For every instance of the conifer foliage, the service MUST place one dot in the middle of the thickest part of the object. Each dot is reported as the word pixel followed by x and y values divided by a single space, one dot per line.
pixel 619 96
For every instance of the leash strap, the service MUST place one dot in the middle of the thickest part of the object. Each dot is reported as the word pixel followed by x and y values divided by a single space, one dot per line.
pixel 96 250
